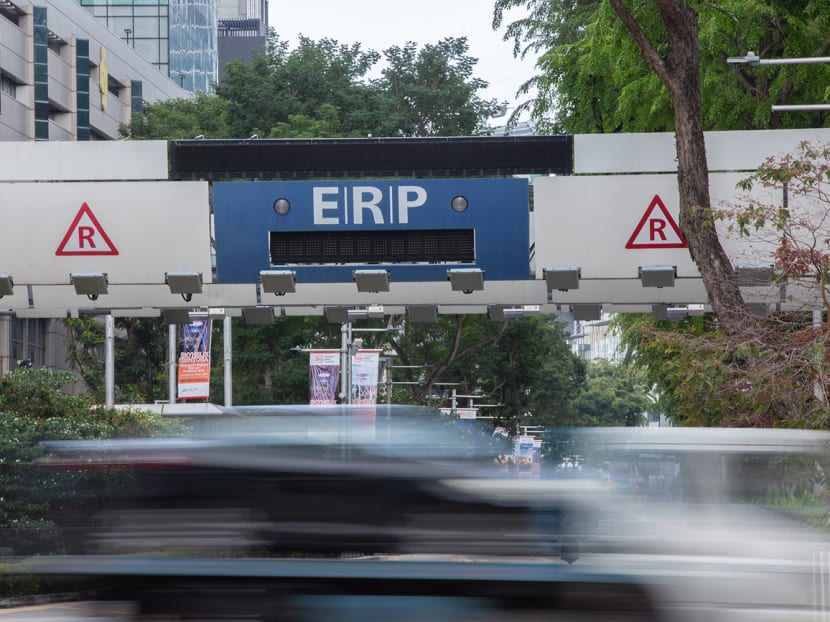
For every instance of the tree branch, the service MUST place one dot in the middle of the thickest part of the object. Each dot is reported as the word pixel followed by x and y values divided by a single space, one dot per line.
pixel 647 49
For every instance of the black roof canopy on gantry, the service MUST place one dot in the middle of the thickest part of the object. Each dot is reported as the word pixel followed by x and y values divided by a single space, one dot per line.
pixel 371 157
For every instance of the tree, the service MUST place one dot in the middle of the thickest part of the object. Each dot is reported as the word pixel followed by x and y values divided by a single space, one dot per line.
pixel 34 408
pixel 140 357
pixel 780 376
pixel 592 77
pixel 523 366
pixel 675 58
pixel 602 62
pixel 313 81
pixel 322 88
pixel 432 91
pixel 206 115
pixel 267 366
pixel 613 395
pixel 666 36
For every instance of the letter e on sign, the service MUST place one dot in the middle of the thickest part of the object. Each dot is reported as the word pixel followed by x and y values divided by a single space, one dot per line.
pixel 656 229
pixel 86 236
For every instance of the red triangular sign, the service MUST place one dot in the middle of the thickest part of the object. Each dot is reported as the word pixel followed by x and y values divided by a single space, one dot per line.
pixel 86 236
pixel 656 229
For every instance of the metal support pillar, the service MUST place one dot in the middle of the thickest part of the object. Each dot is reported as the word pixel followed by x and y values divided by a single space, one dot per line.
pixel 171 364
pixel 228 348
pixel 109 361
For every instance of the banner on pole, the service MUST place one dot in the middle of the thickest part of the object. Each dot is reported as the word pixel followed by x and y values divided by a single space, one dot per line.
pixel 365 389
pixel 194 360
pixel 365 377
pixel 324 374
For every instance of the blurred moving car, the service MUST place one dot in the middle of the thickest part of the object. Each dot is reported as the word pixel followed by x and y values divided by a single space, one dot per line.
pixel 310 514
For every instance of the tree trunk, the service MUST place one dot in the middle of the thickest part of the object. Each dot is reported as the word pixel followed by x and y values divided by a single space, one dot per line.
pixel 679 71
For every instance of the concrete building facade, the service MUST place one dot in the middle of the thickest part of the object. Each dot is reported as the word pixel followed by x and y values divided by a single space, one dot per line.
pixel 65 76
pixel 243 26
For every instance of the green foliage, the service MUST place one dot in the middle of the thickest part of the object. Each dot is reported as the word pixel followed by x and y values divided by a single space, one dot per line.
pixel 524 366
pixel 592 78
pixel 85 340
pixel 322 89
pixel 265 368
pixel 613 395
pixel 433 92
pixel 206 115
pixel 704 378
pixel 37 394
pixel 140 357
pixel 141 360
pixel 318 82
pixel 34 408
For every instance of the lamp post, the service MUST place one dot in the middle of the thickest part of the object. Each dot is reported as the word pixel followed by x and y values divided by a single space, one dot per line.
pixel 751 58
pixel 127 33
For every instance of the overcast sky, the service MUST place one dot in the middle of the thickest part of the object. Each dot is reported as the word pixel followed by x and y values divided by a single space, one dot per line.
pixel 379 24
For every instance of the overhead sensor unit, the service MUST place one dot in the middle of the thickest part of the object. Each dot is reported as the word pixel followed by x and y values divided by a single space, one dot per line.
pixel 467 280
pixel 90 284
pixel 562 278
pixel 371 280
pixel 258 315
pixel 279 282
pixel 184 283
pixel 658 276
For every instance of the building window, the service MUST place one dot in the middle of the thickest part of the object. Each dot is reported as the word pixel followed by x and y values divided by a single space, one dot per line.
pixel 29 340
pixel 11 12
pixel 8 86
pixel 56 44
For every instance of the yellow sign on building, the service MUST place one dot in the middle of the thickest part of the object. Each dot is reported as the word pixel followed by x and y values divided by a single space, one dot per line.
pixel 103 77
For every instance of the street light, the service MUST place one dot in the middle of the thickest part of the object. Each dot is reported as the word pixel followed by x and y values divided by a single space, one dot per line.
pixel 753 59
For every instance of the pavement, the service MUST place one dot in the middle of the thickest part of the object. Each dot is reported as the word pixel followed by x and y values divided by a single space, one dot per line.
pixel 69 611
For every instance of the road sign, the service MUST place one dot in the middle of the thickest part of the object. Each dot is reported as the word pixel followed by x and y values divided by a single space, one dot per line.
pixel 656 229
pixel 86 236
pixel 415 229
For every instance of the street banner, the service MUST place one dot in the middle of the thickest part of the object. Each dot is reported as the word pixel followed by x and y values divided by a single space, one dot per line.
pixel 324 373
pixel 194 360
pixel 528 451
pixel 462 413
pixel 365 377
pixel 365 389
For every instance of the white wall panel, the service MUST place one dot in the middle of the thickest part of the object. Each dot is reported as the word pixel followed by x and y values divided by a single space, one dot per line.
pixel 83 161
pixel 588 221
pixel 155 227
pixel 655 152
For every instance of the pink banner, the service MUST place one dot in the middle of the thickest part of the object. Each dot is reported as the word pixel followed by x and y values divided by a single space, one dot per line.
pixel 324 375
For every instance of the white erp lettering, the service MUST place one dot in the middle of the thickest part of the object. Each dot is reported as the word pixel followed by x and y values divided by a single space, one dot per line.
pixel 409 196
pixel 322 205
pixel 330 208
pixel 367 198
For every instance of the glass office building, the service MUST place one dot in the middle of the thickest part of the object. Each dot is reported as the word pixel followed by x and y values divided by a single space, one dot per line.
pixel 142 24
pixel 177 36
pixel 194 54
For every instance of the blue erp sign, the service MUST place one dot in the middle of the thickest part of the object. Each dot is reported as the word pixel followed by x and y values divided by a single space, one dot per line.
pixel 416 229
